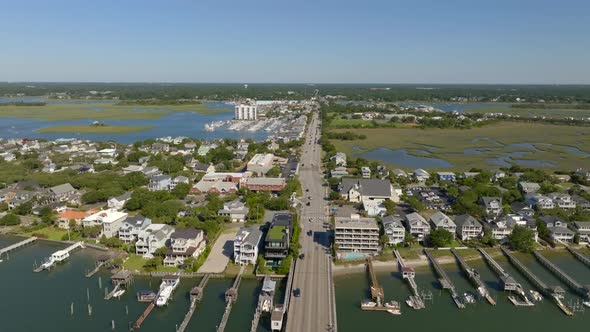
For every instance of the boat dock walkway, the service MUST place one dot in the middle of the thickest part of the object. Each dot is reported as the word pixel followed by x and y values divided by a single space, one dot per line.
pixel 62 252
pixel 265 302
pixel 17 245
pixel 508 282
pixel 231 296
pixel 196 296
pixel 408 273
pixel 474 277
pixel 103 260
pixel 555 292
pixel 144 315
pixel 376 290
pixel 581 257
pixel 584 291
pixel 444 280
pixel 277 316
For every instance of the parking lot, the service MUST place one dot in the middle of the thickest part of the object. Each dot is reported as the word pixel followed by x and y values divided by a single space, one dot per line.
pixel 433 197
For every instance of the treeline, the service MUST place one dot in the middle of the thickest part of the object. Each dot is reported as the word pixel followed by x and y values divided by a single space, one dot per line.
pixel 23 103
pixel 346 136
pixel 545 106
pixel 152 102
pixel 375 92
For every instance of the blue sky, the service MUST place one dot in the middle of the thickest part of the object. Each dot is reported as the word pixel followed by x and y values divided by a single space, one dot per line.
pixel 321 41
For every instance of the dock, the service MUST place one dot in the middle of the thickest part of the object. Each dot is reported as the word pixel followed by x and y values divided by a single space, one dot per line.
pixel 119 280
pixel 265 302
pixel 17 245
pixel 444 280
pixel 507 281
pixel 377 294
pixel 231 296
pixel 408 274
pixel 102 260
pixel 554 292
pixel 278 313
pixel 584 291
pixel 474 277
pixel 58 257
pixel 581 257
pixel 144 315
pixel 196 295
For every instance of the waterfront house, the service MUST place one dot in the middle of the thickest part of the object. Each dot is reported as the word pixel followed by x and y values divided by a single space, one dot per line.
pixel 185 243
pixel 421 175
pixel 382 171
pixel 339 159
pixel 500 228
pixel 539 201
pixel 563 201
pixel 417 225
pixel 468 228
pixel 399 173
pixel 446 176
pixel 492 205
pixel 278 237
pixel 235 210
pixel 356 234
pixel 366 172
pixel 583 230
pixel 118 202
pixel 109 220
pixel 132 226
pixel 528 187
pixel 160 182
pixel 524 221
pixel 65 216
pixel 246 246
pixel 558 229
pixel 393 229
pixel 152 238
pixel 440 220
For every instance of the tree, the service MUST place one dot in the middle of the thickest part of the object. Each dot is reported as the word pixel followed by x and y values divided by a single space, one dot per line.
pixel 415 204
pixel 522 239
pixel 409 239
pixel 487 238
pixel 152 263
pixel 274 172
pixel 10 220
pixel 383 240
pixel 389 206
pixel 181 190
pixel 161 252
pixel 440 238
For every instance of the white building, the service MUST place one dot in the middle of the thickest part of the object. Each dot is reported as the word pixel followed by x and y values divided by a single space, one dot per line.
pixel 110 220
pixel 235 210
pixel 152 238
pixel 246 111
pixel 261 163
pixel 185 243
pixel 246 246
pixel 394 230
pixel 357 234
pixel 132 226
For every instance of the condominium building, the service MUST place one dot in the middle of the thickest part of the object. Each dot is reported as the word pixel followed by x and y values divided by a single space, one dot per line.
pixel 357 234
pixel 246 111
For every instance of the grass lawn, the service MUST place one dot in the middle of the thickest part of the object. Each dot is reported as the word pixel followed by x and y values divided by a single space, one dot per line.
pixel 551 143
pixel 94 129
pixel 136 262
pixel 100 111
pixel 49 232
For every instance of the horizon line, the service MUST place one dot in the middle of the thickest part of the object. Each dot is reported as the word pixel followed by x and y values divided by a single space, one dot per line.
pixel 287 83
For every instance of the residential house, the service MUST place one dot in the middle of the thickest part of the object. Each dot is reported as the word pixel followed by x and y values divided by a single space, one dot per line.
pixel 339 172
pixel 204 168
pixel 151 171
pixel 440 220
pixel 64 217
pixel 522 208
pixel 539 201
pixel 500 228
pixel 184 243
pixel 366 172
pixel 118 202
pixel 160 182
pixel 583 230
pixel 498 175
pixel 49 168
pixel 492 205
pixel 563 201
pixel 468 175
pixel 152 238
pixel 382 172
pixel 278 237
pixel 468 228
pixel 132 226
pixel 558 229
pixel 581 202
pixel 417 225
pixel 399 173
pixel 62 193
pixel 235 210
pixel 178 180
pixel 132 168
pixel 393 229
pixel 584 174
pixel 339 159
pixel 356 234
pixel 421 175
pixel 246 246
pixel 446 176
pixel 528 187
pixel 109 220
pixel 361 190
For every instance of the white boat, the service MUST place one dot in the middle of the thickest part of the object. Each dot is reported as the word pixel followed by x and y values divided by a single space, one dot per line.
pixel 410 303
pixel 167 287
pixel 469 298
pixel 586 303
pixel 119 293
pixel 395 311
pixel 47 263
pixel 368 304
pixel 392 305
pixel 536 295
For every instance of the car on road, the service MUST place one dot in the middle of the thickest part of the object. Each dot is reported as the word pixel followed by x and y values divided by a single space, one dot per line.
pixel 310 232
pixel 297 292
pixel 301 256
pixel 307 203
pixel 307 190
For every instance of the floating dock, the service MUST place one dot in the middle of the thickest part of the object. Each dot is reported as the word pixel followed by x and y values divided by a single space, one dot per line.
pixel 377 294
pixel 408 274
pixel 444 280
pixel 508 282
pixel 584 291
pixel 581 257
pixel 474 277
pixel 58 257
pixel 231 296
pixel 196 295
pixel 554 292
pixel 15 246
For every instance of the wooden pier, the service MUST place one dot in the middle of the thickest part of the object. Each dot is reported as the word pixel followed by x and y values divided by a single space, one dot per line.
pixel 119 279
pixel 101 261
pixel 58 256
pixel 15 246
pixel 508 282
pixel 196 295
pixel 474 277
pixel 265 299
pixel 231 296
pixel 584 291
pixel 444 280
pixel 581 257
pixel 408 273
pixel 144 315
pixel 376 290
pixel 554 292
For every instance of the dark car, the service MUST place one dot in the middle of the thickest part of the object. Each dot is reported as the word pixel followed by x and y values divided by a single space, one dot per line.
pixel 297 292
pixel 309 232
pixel 307 203
pixel 302 256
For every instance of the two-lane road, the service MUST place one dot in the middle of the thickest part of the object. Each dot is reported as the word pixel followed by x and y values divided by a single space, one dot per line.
pixel 312 311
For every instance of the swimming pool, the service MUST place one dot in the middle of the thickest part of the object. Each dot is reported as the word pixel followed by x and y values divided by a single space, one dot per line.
pixel 354 255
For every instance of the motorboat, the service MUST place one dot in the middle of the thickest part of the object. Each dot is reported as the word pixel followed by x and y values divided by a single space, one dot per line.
pixel 368 304
pixel 586 303
pixel 468 298
pixel 392 305
pixel 410 303
pixel 119 293
pixel 536 295
pixel 47 263
pixel 167 287
pixel 395 311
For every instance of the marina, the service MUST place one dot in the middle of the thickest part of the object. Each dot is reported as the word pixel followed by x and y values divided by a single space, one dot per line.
pixel 444 280
pixel 377 302
pixel 474 277
pixel 416 300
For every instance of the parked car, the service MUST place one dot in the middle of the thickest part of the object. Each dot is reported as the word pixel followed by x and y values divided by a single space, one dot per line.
pixel 297 292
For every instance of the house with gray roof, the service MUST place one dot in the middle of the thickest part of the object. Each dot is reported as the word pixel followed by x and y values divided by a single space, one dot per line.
pixel 132 226
pixel 558 229
pixel 152 238
pixel 440 220
pixel 417 225
pixel 185 243
pixel 468 228
pixel 583 230
pixel 492 205
pixel 393 229
pixel 359 190
pixel 246 245
pixel 235 210
pixel 118 202
pixel 62 193
pixel 528 187
pixel 160 182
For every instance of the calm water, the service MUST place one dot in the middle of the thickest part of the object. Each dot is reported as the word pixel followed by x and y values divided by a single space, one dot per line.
pixel 188 124
pixel 442 315
pixel 41 301
pixel 402 158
